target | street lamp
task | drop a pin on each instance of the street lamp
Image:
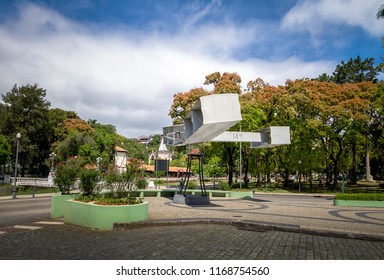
(52, 157)
(299, 174)
(98, 161)
(18, 137)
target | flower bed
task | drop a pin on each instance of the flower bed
(103, 217)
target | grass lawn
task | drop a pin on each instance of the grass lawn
(6, 190)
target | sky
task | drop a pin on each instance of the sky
(121, 61)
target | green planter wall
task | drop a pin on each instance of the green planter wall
(103, 216)
(361, 203)
(57, 205)
(241, 194)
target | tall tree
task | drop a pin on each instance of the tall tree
(380, 12)
(356, 71)
(332, 112)
(226, 83)
(5, 150)
(183, 102)
(25, 110)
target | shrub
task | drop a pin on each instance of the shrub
(88, 181)
(158, 182)
(121, 184)
(224, 186)
(141, 183)
(360, 196)
(66, 174)
(109, 200)
(192, 185)
(119, 201)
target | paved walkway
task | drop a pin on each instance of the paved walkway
(296, 213)
(265, 227)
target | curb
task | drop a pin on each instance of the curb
(252, 226)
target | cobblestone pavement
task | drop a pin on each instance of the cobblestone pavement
(264, 227)
(197, 242)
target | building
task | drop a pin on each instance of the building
(120, 158)
(143, 139)
(162, 152)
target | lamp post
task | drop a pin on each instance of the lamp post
(299, 174)
(52, 157)
(18, 137)
(98, 161)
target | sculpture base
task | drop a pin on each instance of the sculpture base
(192, 200)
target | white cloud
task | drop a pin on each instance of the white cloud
(123, 77)
(315, 16)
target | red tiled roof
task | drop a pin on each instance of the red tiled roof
(120, 149)
(151, 168)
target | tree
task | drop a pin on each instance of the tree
(357, 71)
(380, 12)
(77, 144)
(25, 110)
(354, 71)
(66, 174)
(331, 112)
(214, 168)
(57, 130)
(5, 150)
(226, 83)
(183, 102)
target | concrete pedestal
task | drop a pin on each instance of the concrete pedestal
(192, 200)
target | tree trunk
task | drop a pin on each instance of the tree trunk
(230, 151)
(368, 175)
(354, 165)
(245, 158)
(286, 177)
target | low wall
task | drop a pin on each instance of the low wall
(58, 205)
(210, 193)
(358, 203)
(103, 216)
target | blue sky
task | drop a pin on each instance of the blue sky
(120, 62)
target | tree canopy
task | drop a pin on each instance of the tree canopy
(332, 119)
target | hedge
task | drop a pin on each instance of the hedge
(360, 196)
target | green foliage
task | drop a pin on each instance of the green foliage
(178, 163)
(66, 174)
(360, 196)
(88, 181)
(122, 182)
(158, 182)
(193, 185)
(109, 200)
(5, 149)
(224, 186)
(78, 144)
(25, 110)
(141, 183)
(214, 167)
(119, 201)
(134, 148)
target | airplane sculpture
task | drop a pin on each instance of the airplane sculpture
(209, 120)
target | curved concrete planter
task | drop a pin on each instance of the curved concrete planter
(358, 203)
(57, 205)
(103, 216)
